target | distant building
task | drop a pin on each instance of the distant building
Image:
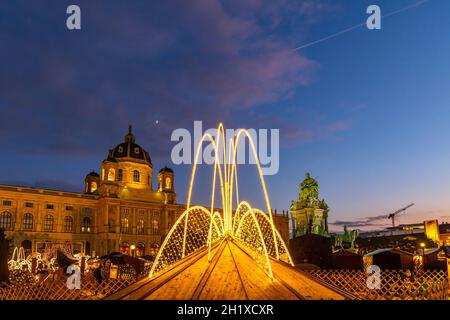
(444, 233)
(403, 229)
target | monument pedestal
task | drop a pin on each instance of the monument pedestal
(310, 220)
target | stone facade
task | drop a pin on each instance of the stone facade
(119, 209)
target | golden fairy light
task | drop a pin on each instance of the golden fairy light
(199, 227)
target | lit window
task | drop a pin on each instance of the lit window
(140, 227)
(6, 220)
(136, 176)
(111, 174)
(27, 221)
(68, 224)
(7, 203)
(93, 186)
(86, 225)
(155, 226)
(124, 226)
(155, 223)
(48, 222)
(136, 150)
(168, 183)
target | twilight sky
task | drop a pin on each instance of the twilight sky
(367, 112)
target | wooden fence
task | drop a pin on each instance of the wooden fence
(394, 284)
(25, 288)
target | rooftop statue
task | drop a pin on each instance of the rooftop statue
(308, 194)
(309, 212)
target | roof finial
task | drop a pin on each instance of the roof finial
(129, 137)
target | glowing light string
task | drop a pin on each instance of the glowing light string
(199, 228)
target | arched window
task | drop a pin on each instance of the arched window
(125, 248)
(27, 222)
(168, 183)
(136, 176)
(124, 226)
(154, 249)
(93, 186)
(140, 249)
(140, 227)
(68, 224)
(6, 220)
(111, 174)
(86, 225)
(120, 175)
(48, 222)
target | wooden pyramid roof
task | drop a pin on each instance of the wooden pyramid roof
(232, 274)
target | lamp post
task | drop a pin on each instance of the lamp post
(133, 248)
(422, 245)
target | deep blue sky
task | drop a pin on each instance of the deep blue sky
(367, 113)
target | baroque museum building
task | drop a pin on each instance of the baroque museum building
(119, 210)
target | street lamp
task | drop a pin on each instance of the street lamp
(133, 247)
(422, 245)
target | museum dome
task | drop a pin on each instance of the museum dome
(129, 149)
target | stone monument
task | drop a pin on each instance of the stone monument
(309, 214)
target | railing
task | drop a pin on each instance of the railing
(394, 284)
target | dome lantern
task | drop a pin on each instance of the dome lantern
(129, 137)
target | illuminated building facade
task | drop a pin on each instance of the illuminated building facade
(119, 208)
(118, 211)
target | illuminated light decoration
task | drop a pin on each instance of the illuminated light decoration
(199, 228)
(199, 221)
(18, 260)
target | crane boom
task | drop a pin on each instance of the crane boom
(393, 214)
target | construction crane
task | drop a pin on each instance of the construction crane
(393, 214)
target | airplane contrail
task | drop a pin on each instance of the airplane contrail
(416, 4)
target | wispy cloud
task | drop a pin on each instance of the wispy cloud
(373, 221)
(78, 90)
